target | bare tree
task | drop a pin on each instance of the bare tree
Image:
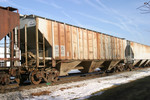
(145, 8)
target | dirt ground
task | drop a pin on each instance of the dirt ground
(135, 90)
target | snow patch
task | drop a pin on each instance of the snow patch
(78, 90)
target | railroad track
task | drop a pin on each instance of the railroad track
(65, 79)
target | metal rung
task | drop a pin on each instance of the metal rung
(46, 58)
(41, 66)
(4, 53)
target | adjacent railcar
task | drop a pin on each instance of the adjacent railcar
(10, 44)
(140, 54)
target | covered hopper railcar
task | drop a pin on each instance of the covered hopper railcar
(51, 49)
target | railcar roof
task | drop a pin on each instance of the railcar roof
(9, 8)
(32, 16)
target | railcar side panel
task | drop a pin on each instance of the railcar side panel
(102, 49)
(68, 42)
(85, 44)
(98, 45)
(140, 51)
(95, 45)
(106, 47)
(80, 43)
(110, 47)
(62, 41)
(112, 44)
(74, 42)
(56, 40)
(90, 44)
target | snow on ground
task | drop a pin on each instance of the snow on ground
(77, 90)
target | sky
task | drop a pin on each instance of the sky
(119, 18)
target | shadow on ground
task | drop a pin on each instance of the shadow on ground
(136, 90)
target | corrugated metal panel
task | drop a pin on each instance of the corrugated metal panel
(102, 48)
(95, 45)
(68, 42)
(61, 40)
(78, 48)
(56, 40)
(124, 47)
(113, 48)
(118, 41)
(90, 44)
(121, 49)
(106, 47)
(112, 43)
(80, 43)
(98, 45)
(117, 48)
(121, 44)
(140, 51)
(110, 48)
(85, 44)
(74, 39)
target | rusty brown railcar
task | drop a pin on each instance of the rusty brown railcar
(9, 32)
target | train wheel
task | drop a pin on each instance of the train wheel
(51, 75)
(48, 76)
(35, 77)
(4, 79)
